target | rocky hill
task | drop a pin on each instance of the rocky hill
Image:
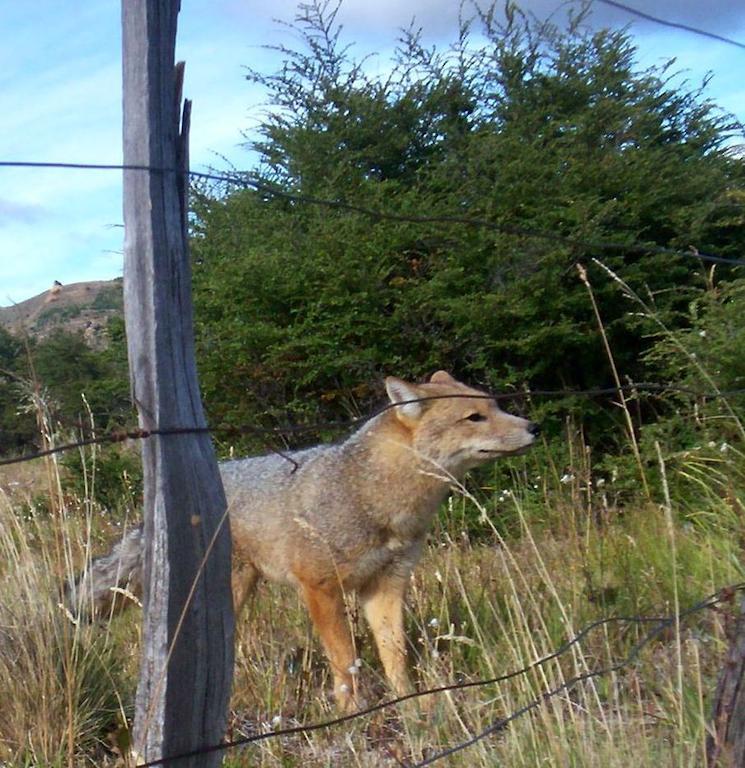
(84, 307)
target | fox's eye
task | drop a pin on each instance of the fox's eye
(476, 417)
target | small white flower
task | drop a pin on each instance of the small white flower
(507, 493)
(343, 688)
(358, 663)
(276, 721)
(435, 653)
(353, 670)
(434, 623)
(702, 334)
(711, 444)
(566, 478)
(600, 482)
(723, 448)
(438, 576)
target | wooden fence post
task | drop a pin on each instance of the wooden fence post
(187, 655)
(725, 746)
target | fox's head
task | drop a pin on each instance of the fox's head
(458, 427)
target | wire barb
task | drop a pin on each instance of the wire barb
(722, 595)
(118, 436)
(242, 179)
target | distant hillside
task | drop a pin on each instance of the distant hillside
(84, 307)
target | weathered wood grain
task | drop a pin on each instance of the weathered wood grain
(725, 745)
(187, 655)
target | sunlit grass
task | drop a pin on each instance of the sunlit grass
(513, 570)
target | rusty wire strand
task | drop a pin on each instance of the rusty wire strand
(242, 179)
(723, 595)
(137, 433)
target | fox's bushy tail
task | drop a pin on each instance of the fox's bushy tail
(109, 583)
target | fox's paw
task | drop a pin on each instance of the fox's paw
(348, 699)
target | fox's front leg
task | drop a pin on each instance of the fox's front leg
(383, 603)
(326, 606)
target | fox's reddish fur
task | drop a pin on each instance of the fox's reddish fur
(350, 516)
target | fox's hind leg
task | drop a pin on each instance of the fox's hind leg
(326, 606)
(383, 602)
(243, 580)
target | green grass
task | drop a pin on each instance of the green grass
(499, 607)
(53, 315)
(507, 578)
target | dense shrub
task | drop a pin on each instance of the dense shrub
(519, 125)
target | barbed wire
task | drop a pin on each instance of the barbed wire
(138, 433)
(725, 594)
(722, 595)
(672, 24)
(662, 622)
(240, 178)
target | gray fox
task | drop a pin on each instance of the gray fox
(346, 517)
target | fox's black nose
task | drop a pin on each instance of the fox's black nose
(534, 429)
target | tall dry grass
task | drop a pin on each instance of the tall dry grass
(479, 610)
(518, 563)
(63, 692)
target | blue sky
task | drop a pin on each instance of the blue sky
(61, 83)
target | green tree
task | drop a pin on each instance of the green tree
(17, 426)
(62, 368)
(538, 128)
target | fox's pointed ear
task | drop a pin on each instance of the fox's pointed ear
(442, 377)
(400, 391)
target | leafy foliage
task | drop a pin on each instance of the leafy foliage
(109, 477)
(17, 427)
(519, 125)
(67, 367)
(60, 370)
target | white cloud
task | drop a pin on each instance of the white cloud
(719, 16)
(14, 211)
(68, 245)
(61, 85)
(439, 17)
